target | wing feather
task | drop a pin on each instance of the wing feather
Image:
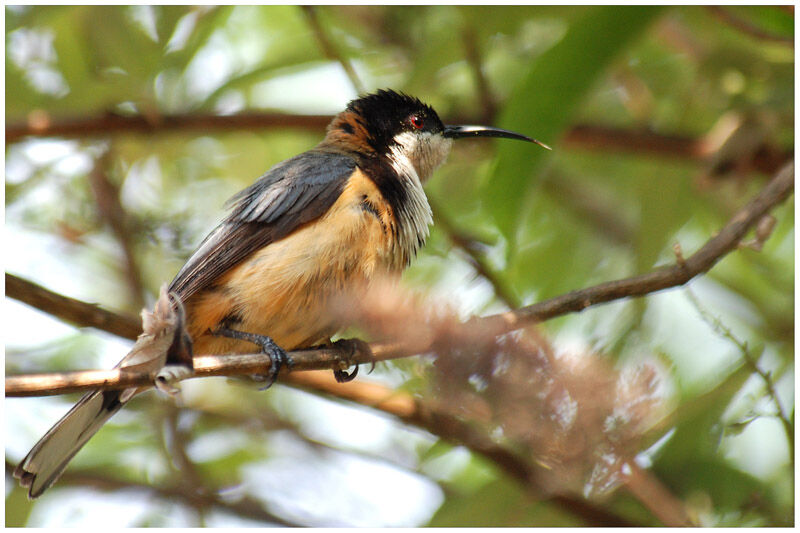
(290, 194)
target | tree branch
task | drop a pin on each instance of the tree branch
(110, 209)
(245, 507)
(582, 136)
(475, 256)
(330, 50)
(649, 490)
(701, 261)
(70, 310)
(469, 38)
(748, 27)
(642, 141)
(110, 124)
(751, 362)
(774, 193)
(414, 412)
(447, 427)
(54, 383)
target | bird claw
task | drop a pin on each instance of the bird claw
(278, 358)
(352, 347)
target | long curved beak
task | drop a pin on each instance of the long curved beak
(459, 132)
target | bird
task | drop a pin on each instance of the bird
(347, 211)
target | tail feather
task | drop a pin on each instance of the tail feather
(45, 463)
(163, 341)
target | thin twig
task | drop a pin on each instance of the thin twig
(175, 441)
(774, 193)
(649, 490)
(718, 326)
(701, 261)
(640, 141)
(603, 218)
(330, 50)
(54, 383)
(473, 56)
(473, 250)
(245, 507)
(110, 208)
(74, 311)
(449, 428)
(748, 27)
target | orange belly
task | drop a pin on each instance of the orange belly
(285, 289)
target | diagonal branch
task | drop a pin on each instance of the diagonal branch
(70, 310)
(330, 50)
(412, 411)
(447, 427)
(469, 39)
(112, 212)
(245, 507)
(475, 256)
(774, 193)
(745, 26)
(751, 362)
(678, 274)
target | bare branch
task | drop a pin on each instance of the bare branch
(110, 208)
(747, 27)
(411, 411)
(602, 217)
(204, 366)
(649, 490)
(111, 124)
(583, 136)
(488, 106)
(701, 261)
(472, 248)
(640, 141)
(74, 311)
(752, 363)
(245, 507)
(330, 50)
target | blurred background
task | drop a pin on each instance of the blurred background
(128, 127)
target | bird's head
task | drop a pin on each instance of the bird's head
(404, 130)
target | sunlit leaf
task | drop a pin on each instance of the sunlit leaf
(547, 97)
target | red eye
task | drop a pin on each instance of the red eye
(417, 121)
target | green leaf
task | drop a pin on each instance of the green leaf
(499, 504)
(770, 19)
(548, 96)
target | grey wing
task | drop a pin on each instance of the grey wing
(290, 194)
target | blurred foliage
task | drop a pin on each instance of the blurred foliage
(545, 223)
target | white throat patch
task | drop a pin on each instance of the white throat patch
(414, 158)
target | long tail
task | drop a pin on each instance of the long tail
(163, 342)
(45, 463)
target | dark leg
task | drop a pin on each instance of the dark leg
(277, 356)
(352, 347)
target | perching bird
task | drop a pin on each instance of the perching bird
(347, 211)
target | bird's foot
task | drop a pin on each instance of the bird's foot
(278, 358)
(351, 347)
(168, 376)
